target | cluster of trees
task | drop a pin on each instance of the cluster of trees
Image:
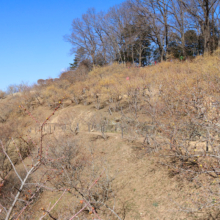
(139, 31)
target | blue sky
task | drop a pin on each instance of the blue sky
(31, 37)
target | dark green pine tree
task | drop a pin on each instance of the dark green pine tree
(74, 65)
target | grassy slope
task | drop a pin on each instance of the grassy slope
(142, 187)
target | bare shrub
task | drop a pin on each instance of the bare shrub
(77, 172)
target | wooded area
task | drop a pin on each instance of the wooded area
(145, 31)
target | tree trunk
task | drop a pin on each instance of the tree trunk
(183, 44)
(206, 29)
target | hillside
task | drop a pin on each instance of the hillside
(115, 143)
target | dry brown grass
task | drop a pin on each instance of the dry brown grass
(165, 111)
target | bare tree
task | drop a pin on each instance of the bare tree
(149, 15)
(83, 36)
(178, 21)
(201, 12)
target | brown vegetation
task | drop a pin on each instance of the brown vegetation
(87, 146)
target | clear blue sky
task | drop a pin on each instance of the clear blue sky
(31, 37)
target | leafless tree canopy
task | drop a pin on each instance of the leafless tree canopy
(142, 31)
